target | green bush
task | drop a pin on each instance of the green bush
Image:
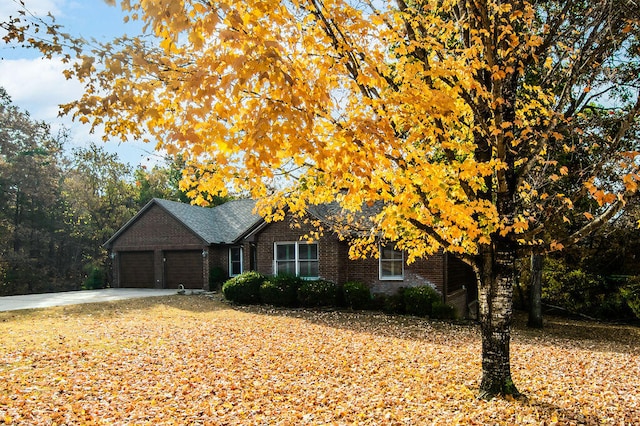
(442, 310)
(280, 290)
(394, 303)
(418, 301)
(318, 293)
(574, 290)
(631, 294)
(356, 295)
(243, 289)
(377, 302)
(94, 279)
(581, 292)
(217, 277)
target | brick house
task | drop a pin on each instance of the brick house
(168, 243)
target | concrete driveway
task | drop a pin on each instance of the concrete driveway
(45, 300)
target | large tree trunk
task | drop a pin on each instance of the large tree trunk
(496, 311)
(497, 263)
(535, 298)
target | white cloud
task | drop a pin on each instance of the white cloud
(36, 7)
(38, 85)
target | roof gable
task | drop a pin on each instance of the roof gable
(225, 223)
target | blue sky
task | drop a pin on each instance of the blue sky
(38, 86)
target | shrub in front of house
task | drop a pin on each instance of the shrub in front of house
(356, 295)
(217, 277)
(243, 289)
(312, 294)
(377, 302)
(281, 290)
(441, 310)
(94, 279)
(419, 301)
(392, 304)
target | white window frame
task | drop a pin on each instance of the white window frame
(297, 259)
(231, 274)
(383, 277)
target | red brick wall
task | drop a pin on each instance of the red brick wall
(336, 266)
(219, 258)
(156, 229)
(421, 272)
(329, 250)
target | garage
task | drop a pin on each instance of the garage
(136, 269)
(183, 267)
(168, 243)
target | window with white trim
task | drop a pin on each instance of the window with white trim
(391, 263)
(296, 258)
(235, 261)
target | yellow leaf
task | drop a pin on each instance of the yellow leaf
(520, 226)
(556, 246)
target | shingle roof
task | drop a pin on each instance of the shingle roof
(232, 220)
(226, 223)
(339, 219)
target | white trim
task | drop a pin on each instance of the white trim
(380, 260)
(296, 258)
(231, 274)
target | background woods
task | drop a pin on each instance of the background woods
(57, 205)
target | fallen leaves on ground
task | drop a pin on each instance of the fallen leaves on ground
(191, 360)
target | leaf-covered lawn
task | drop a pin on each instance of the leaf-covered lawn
(191, 360)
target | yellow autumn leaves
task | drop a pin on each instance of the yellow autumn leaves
(190, 360)
(260, 94)
(306, 102)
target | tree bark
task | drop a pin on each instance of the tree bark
(535, 295)
(496, 312)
